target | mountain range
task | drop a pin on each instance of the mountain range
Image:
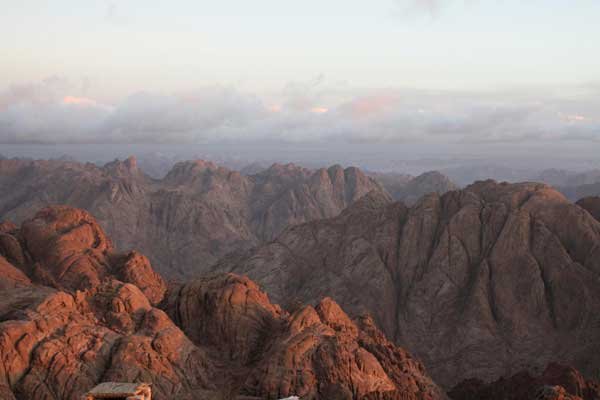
(294, 282)
(197, 213)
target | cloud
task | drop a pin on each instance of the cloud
(80, 101)
(54, 111)
(113, 14)
(46, 113)
(431, 8)
(111, 11)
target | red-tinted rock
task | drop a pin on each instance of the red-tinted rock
(316, 353)
(11, 276)
(58, 348)
(67, 249)
(227, 312)
(87, 315)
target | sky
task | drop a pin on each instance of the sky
(434, 71)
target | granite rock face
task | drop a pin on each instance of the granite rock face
(314, 353)
(65, 248)
(483, 282)
(74, 313)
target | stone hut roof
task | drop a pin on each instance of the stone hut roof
(116, 390)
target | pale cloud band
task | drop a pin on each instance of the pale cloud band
(53, 112)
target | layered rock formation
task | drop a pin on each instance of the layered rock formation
(74, 312)
(196, 214)
(485, 281)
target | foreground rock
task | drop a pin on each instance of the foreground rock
(314, 353)
(65, 248)
(557, 382)
(75, 313)
(481, 282)
(198, 211)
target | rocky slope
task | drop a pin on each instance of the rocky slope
(74, 312)
(557, 382)
(409, 189)
(196, 214)
(485, 281)
(312, 352)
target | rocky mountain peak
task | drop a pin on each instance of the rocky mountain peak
(123, 169)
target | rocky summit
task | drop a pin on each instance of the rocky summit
(75, 312)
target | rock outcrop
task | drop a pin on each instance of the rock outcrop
(557, 382)
(56, 345)
(74, 313)
(314, 353)
(65, 248)
(198, 211)
(485, 281)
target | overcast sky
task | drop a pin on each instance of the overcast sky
(355, 70)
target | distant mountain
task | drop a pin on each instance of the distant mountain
(155, 165)
(574, 185)
(466, 174)
(484, 281)
(196, 214)
(409, 189)
(253, 168)
(582, 191)
(565, 178)
(591, 204)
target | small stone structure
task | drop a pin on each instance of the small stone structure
(120, 391)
